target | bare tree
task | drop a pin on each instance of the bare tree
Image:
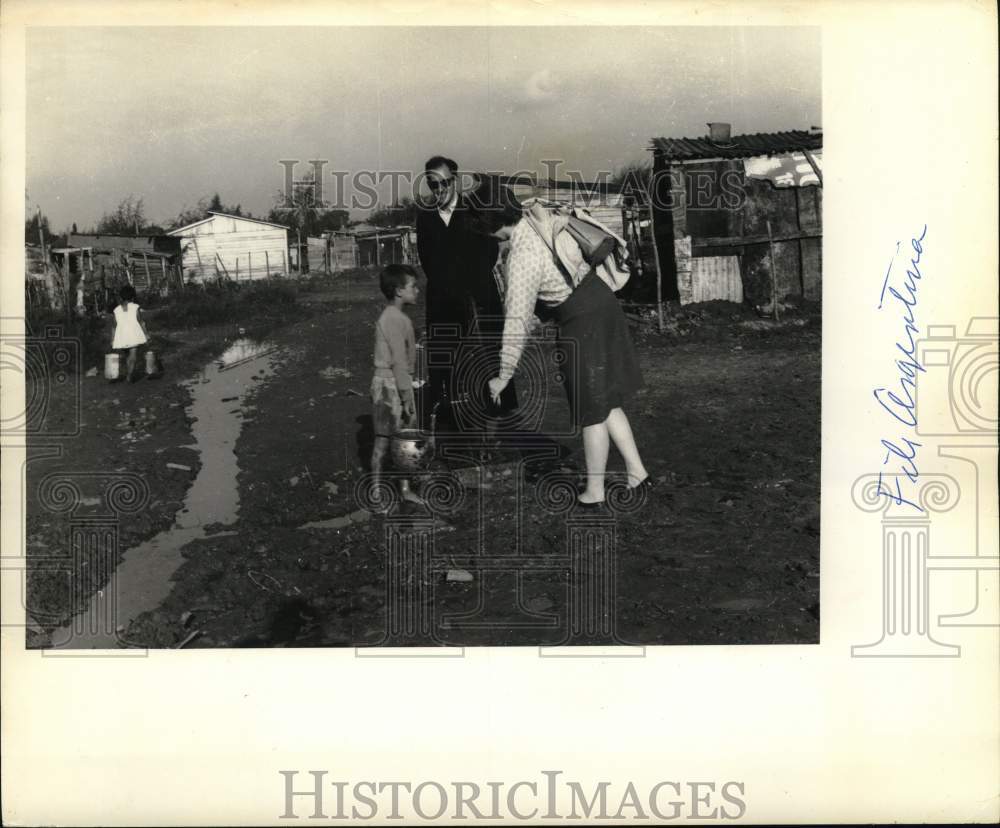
(128, 217)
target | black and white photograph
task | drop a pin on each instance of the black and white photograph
(426, 337)
(506, 411)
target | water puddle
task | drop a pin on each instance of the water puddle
(358, 516)
(142, 580)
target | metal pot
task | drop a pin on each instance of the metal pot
(411, 449)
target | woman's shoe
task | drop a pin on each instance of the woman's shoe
(644, 485)
(589, 507)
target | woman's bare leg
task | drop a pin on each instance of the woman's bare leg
(595, 453)
(621, 435)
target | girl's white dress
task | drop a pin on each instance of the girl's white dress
(128, 331)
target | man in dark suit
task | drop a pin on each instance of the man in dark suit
(463, 303)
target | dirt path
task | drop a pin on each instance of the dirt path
(725, 551)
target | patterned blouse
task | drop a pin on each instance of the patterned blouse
(532, 274)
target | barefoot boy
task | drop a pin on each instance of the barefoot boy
(395, 361)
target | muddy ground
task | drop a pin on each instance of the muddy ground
(724, 550)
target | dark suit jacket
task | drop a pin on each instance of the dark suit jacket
(461, 289)
(459, 268)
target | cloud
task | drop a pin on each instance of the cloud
(541, 86)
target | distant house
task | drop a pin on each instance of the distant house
(726, 206)
(232, 247)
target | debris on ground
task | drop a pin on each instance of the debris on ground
(191, 637)
(459, 575)
(332, 373)
(688, 564)
(178, 466)
(253, 576)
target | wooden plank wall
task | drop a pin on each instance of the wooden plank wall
(344, 255)
(702, 212)
(316, 252)
(241, 252)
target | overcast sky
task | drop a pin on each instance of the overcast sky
(175, 114)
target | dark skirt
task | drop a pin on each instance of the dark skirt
(598, 361)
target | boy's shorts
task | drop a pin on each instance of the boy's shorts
(387, 407)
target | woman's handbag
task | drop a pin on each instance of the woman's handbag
(596, 244)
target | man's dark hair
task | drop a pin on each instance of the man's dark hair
(492, 205)
(394, 277)
(440, 161)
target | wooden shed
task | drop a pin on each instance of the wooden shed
(343, 252)
(150, 262)
(233, 247)
(739, 217)
(382, 246)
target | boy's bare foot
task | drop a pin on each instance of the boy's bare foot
(412, 497)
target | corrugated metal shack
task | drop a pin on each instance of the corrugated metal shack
(387, 245)
(726, 207)
(233, 247)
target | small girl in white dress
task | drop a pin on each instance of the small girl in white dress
(130, 332)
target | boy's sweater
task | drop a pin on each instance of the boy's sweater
(395, 349)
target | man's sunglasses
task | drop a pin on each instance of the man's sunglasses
(436, 184)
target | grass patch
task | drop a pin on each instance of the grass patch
(214, 304)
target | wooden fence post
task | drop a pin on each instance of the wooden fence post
(774, 273)
(659, 278)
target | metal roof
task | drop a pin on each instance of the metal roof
(213, 213)
(738, 146)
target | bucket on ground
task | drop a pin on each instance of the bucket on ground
(151, 365)
(112, 366)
